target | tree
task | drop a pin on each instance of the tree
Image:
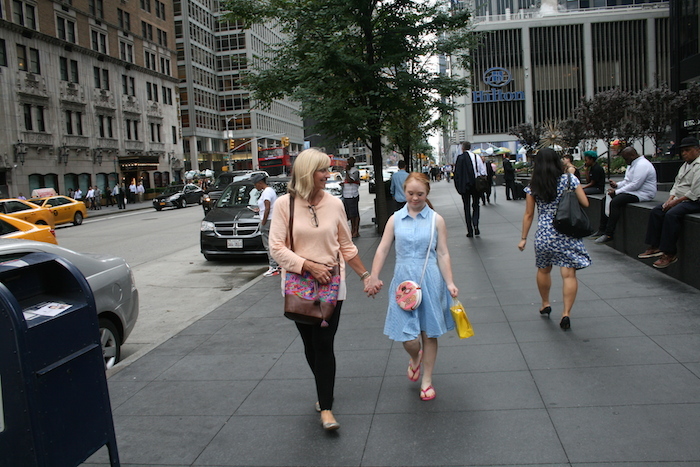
(528, 135)
(573, 132)
(354, 64)
(654, 110)
(603, 115)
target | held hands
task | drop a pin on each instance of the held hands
(372, 286)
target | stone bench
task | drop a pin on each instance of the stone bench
(631, 231)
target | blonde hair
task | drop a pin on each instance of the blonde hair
(306, 163)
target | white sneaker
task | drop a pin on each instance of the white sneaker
(272, 272)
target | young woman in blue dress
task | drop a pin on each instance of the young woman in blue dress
(419, 329)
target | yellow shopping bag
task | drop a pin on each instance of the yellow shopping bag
(462, 324)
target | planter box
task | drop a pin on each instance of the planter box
(666, 171)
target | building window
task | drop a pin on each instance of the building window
(146, 30)
(65, 29)
(96, 8)
(167, 95)
(101, 125)
(74, 75)
(40, 124)
(99, 41)
(24, 14)
(162, 38)
(150, 61)
(63, 65)
(69, 122)
(126, 51)
(124, 19)
(109, 127)
(68, 69)
(146, 5)
(101, 77)
(74, 123)
(160, 9)
(165, 66)
(173, 130)
(3, 53)
(34, 63)
(28, 126)
(22, 57)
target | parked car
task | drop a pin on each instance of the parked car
(112, 284)
(64, 209)
(386, 175)
(335, 188)
(213, 193)
(27, 211)
(231, 229)
(11, 227)
(178, 196)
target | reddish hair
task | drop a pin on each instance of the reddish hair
(420, 178)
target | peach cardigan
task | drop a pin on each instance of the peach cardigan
(321, 244)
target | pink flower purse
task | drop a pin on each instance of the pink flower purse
(408, 293)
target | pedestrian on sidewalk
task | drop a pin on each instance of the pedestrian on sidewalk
(322, 240)
(419, 329)
(552, 247)
(266, 201)
(351, 196)
(467, 167)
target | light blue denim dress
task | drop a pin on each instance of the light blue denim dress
(411, 237)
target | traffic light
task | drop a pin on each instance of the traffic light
(285, 141)
(231, 144)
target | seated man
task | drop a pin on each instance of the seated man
(596, 174)
(639, 184)
(665, 220)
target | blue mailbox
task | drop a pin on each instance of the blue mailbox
(54, 404)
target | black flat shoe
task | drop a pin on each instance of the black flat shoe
(476, 231)
(565, 323)
(546, 311)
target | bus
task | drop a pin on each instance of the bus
(275, 161)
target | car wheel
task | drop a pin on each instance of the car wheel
(182, 203)
(41, 223)
(110, 341)
(209, 257)
(78, 218)
(158, 208)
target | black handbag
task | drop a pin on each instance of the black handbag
(481, 184)
(570, 218)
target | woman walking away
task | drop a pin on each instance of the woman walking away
(551, 247)
(321, 241)
(419, 329)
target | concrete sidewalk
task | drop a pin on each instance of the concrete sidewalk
(621, 388)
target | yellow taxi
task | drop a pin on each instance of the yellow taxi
(27, 211)
(64, 209)
(11, 227)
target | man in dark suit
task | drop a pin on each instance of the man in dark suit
(467, 168)
(509, 177)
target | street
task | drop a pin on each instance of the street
(176, 284)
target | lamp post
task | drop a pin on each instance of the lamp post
(20, 151)
(171, 162)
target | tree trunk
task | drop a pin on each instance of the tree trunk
(381, 212)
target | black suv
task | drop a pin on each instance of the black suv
(224, 179)
(231, 228)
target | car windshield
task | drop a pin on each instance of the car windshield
(223, 180)
(236, 196)
(172, 189)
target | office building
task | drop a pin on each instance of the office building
(87, 95)
(536, 63)
(218, 115)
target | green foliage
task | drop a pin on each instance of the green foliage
(360, 67)
(527, 134)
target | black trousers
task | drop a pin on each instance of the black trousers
(318, 348)
(607, 224)
(510, 189)
(665, 226)
(471, 214)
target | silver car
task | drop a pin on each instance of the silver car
(112, 284)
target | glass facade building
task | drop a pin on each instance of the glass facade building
(535, 64)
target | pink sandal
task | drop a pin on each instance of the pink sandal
(415, 371)
(424, 393)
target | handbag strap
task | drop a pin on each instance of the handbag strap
(430, 245)
(291, 222)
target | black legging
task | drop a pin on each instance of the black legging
(318, 347)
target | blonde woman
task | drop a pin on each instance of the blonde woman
(321, 240)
